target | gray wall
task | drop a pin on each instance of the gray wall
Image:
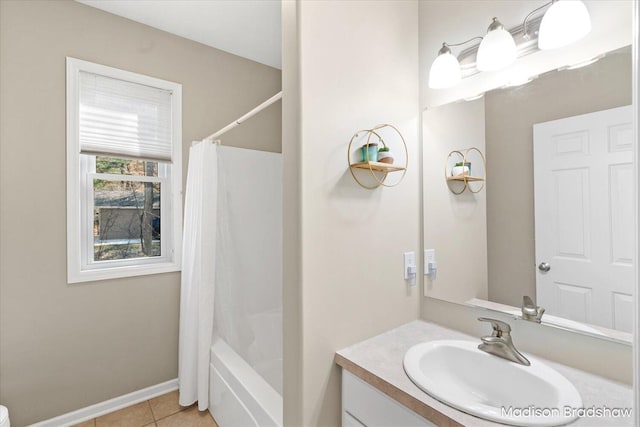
(510, 115)
(63, 347)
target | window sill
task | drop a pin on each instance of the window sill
(121, 272)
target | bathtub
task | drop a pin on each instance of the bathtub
(238, 395)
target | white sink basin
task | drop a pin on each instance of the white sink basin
(481, 384)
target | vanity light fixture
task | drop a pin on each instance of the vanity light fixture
(497, 49)
(566, 22)
(563, 23)
(445, 70)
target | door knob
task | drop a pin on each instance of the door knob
(544, 267)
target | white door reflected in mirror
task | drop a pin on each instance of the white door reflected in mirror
(584, 220)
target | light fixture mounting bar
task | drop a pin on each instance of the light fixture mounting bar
(525, 23)
(525, 45)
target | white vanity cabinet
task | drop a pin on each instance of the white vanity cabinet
(364, 405)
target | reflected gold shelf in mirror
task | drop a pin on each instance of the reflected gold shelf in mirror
(464, 178)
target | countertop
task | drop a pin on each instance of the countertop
(378, 361)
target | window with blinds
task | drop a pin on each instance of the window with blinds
(123, 173)
(121, 118)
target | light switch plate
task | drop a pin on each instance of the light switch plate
(429, 257)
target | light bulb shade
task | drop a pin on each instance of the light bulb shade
(497, 50)
(566, 22)
(445, 71)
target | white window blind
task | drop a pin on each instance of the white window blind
(120, 118)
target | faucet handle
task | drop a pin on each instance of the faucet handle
(499, 327)
(528, 306)
(530, 311)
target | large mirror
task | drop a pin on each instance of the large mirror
(555, 220)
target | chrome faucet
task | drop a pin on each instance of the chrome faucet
(530, 311)
(499, 343)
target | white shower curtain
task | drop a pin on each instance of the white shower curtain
(198, 274)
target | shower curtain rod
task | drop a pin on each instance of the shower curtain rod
(250, 114)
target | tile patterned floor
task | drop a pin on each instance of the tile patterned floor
(161, 411)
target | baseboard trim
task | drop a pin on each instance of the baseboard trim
(111, 405)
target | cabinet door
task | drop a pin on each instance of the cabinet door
(364, 405)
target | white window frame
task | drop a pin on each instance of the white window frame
(80, 175)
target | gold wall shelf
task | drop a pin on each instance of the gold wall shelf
(379, 170)
(378, 166)
(465, 178)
